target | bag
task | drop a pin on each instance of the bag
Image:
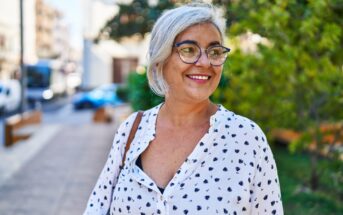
(132, 133)
(130, 138)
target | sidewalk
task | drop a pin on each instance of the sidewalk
(60, 176)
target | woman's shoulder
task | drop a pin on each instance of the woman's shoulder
(147, 114)
(152, 112)
(229, 119)
(243, 131)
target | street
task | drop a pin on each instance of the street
(60, 106)
(56, 113)
(59, 177)
(55, 170)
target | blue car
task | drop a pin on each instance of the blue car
(99, 97)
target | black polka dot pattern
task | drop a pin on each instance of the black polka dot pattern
(230, 171)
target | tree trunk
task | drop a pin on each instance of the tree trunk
(314, 180)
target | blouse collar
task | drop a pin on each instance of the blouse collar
(152, 118)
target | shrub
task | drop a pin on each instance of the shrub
(140, 94)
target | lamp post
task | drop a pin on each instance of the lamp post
(22, 66)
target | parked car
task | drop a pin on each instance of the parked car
(99, 97)
(9, 96)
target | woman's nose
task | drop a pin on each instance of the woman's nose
(203, 60)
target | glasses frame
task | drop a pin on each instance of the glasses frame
(176, 45)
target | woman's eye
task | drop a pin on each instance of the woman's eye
(188, 50)
(215, 52)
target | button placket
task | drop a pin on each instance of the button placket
(162, 205)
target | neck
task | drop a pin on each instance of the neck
(179, 114)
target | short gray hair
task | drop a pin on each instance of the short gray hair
(170, 24)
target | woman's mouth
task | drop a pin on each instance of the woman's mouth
(199, 78)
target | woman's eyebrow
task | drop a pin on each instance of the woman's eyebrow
(213, 43)
(186, 41)
(195, 42)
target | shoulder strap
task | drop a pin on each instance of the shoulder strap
(132, 133)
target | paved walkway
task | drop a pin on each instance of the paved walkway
(61, 175)
(14, 157)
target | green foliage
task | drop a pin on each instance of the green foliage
(294, 174)
(123, 93)
(296, 79)
(136, 18)
(140, 94)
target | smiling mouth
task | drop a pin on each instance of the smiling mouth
(199, 77)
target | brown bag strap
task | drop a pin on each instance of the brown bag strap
(132, 133)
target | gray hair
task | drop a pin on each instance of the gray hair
(166, 29)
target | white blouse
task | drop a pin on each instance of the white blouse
(230, 171)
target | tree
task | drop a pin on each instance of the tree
(140, 95)
(296, 79)
(136, 18)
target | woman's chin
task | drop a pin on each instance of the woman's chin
(198, 96)
(189, 95)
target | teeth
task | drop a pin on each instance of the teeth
(199, 77)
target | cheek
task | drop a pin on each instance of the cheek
(173, 70)
(218, 72)
(218, 75)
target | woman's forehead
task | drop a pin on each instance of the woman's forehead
(201, 31)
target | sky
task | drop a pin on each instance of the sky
(72, 10)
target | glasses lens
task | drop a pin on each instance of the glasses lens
(189, 53)
(217, 55)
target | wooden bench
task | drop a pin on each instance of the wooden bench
(21, 126)
(103, 114)
(331, 138)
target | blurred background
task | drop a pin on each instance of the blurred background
(72, 70)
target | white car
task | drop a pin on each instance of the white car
(9, 95)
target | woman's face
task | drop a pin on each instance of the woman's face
(193, 82)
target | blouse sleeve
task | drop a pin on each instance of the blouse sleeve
(266, 198)
(100, 198)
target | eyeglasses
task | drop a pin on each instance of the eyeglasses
(190, 52)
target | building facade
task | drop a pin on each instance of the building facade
(10, 36)
(107, 61)
(46, 18)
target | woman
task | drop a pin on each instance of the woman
(189, 156)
